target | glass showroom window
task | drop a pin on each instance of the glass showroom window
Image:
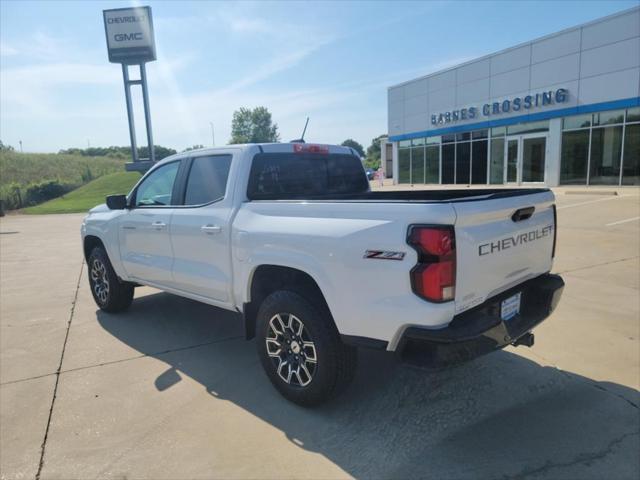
(496, 168)
(463, 162)
(479, 151)
(633, 115)
(631, 162)
(606, 150)
(528, 127)
(577, 121)
(432, 157)
(417, 161)
(575, 157)
(601, 148)
(448, 159)
(404, 162)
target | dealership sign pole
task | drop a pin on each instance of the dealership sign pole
(130, 41)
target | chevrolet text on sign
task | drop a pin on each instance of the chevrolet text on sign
(130, 36)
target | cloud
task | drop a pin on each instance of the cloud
(39, 90)
(43, 92)
(39, 46)
(249, 25)
(276, 64)
(7, 50)
(59, 73)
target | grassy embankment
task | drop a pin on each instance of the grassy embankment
(28, 179)
(89, 195)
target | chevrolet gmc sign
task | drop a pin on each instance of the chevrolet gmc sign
(129, 33)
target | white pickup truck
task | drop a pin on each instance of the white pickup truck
(290, 236)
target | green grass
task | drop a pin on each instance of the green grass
(23, 175)
(89, 195)
(24, 168)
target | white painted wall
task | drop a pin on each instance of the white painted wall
(597, 62)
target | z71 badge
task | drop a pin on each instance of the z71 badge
(383, 255)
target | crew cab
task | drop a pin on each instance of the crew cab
(291, 237)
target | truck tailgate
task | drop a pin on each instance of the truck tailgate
(500, 243)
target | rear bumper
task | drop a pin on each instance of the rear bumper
(481, 330)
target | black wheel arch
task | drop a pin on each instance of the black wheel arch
(91, 242)
(267, 279)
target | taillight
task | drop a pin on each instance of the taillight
(434, 277)
(310, 148)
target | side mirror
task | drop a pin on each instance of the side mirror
(117, 202)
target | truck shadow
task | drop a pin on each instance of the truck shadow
(499, 416)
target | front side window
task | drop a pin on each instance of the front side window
(157, 188)
(207, 180)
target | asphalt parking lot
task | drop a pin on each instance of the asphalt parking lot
(170, 389)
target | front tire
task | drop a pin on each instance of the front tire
(300, 349)
(109, 293)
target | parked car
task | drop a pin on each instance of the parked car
(291, 237)
(371, 174)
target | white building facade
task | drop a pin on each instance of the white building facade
(560, 110)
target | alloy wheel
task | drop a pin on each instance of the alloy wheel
(100, 280)
(291, 349)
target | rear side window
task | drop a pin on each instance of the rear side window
(207, 180)
(299, 175)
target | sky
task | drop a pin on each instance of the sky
(331, 61)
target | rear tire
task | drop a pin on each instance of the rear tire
(300, 349)
(109, 292)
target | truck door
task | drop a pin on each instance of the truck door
(200, 232)
(145, 245)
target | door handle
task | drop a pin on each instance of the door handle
(158, 225)
(211, 229)
(523, 214)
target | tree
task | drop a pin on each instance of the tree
(253, 126)
(195, 147)
(160, 152)
(350, 142)
(374, 152)
(5, 148)
(119, 152)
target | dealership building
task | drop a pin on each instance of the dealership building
(559, 110)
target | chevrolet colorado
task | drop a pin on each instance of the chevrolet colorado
(290, 236)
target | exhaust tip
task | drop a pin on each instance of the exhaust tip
(526, 340)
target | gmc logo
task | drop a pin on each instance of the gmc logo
(123, 37)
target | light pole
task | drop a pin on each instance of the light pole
(213, 138)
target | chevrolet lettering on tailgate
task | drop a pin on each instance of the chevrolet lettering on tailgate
(508, 242)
